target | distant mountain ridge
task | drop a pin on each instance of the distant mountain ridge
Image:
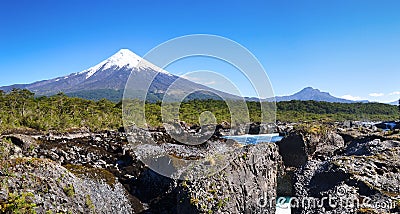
(307, 94)
(310, 93)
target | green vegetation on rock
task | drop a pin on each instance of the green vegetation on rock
(69, 190)
(18, 203)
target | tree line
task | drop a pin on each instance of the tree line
(21, 109)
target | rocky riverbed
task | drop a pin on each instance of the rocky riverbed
(85, 172)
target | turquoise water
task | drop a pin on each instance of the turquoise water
(390, 126)
(283, 206)
(254, 139)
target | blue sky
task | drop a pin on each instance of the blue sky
(348, 48)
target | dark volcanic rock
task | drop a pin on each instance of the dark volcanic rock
(253, 128)
(357, 171)
(151, 186)
(368, 175)
(325, 145)
(297, 148)
(92, 155)
(285, 182)
(25, 142)
(42, 185)
(104, 166)
(246, 182)
(293, 150)
(370, 146)
(246, 185)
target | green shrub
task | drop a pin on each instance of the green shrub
(18, 203)
(69, 190)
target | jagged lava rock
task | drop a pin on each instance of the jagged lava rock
(246, 185)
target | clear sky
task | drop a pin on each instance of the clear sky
(348, 48)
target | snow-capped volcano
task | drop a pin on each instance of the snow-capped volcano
(110, 77)
(124, 58)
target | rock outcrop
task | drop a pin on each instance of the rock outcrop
(354, 172)
(325, 169)
(293, 150)
(253, 128)
(246, 185)
(41, 185)
(87, 172)
(369, 180)
(298, 147)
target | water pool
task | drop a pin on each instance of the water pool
(254, 139)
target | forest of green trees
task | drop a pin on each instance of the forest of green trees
(21, 109)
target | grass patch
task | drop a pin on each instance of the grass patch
(92, 173)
